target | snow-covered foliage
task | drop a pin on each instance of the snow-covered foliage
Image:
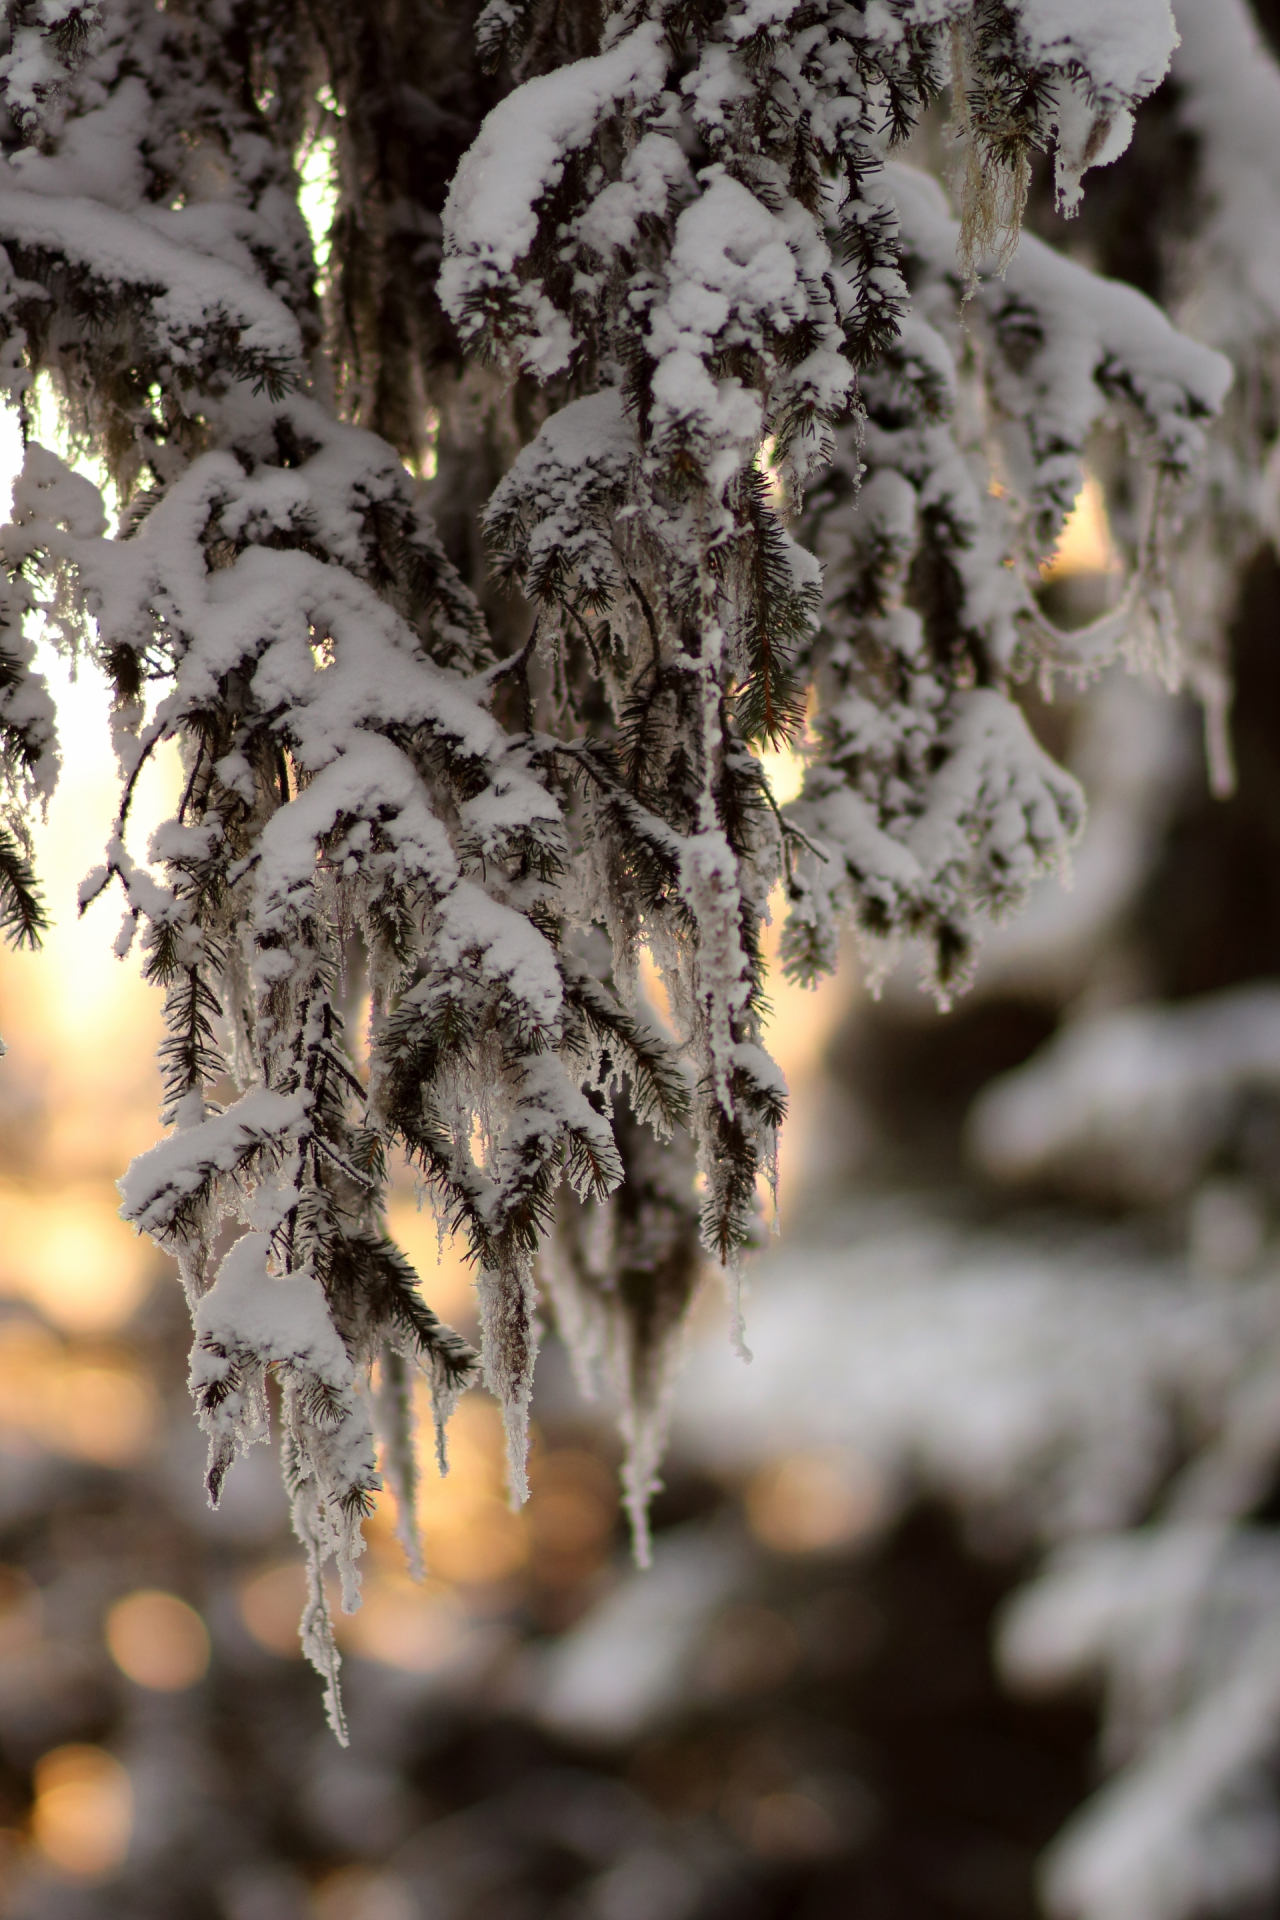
(1226, 99)
(1180, 1622)
(1140, 1103)
(930, 801)
(1045, 1379)
(679, 241)
(1062, 1387)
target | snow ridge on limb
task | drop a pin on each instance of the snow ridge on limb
(701, 308)
(316, 805)
(928, 804)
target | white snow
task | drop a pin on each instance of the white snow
(1135, 1103)
(160, 1180)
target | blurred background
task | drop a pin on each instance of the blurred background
(965, 1594)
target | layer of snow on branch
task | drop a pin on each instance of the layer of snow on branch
(491, 218)
(1085, 345)
(1181, 1621)
(1054, 1377)
(1106, 57)
(1123, 50)
(1137, 1101)
(189, 294)
(159, 1180)
(281, 1320)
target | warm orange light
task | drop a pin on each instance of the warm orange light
(808, 1502)
(570, 1520)
(158, 1641)
(82, 1029)
(572, 1515)
(66, 1251)
(791, 1826)
(30, 1357)
(83, 1811)
(1085, 544)
(107, 1414)
(474, 1538)
(441, 1265)
(92, 1407)
(797, 1028)
(362, 1893)
(468, 1529)
(271, 1606)
(784, 770)
(419, 1628)
(21, 1614)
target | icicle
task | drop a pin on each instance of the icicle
(508, 1303)
(400, 1465)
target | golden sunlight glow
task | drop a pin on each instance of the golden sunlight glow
(1085, 544)
(469, 1531)
(362, 1893)
(73, 1258)
(471, 1539)
(82, 1029)
(89, 1405)
(83, 1811)
(440, 1263)
(473, 1543)
(21, 1615)
(797, 1028)
(768, 467)
(573, 1512)
(158, 1641)
(79, 1093)
(418, 1627)
(791, 1826)
(80, 1088)
(784, 770)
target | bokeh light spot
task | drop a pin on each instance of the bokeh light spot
(271, 1606)
(475, 1539)
(361, 1893)
(811, 1502)
(574, 1506)
(21, 1614)
(83, 1811)
(750, 1650)
(791, 1826)
(92, 1406)
(401, 1624)
(70, 1254)
(158, 1641)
